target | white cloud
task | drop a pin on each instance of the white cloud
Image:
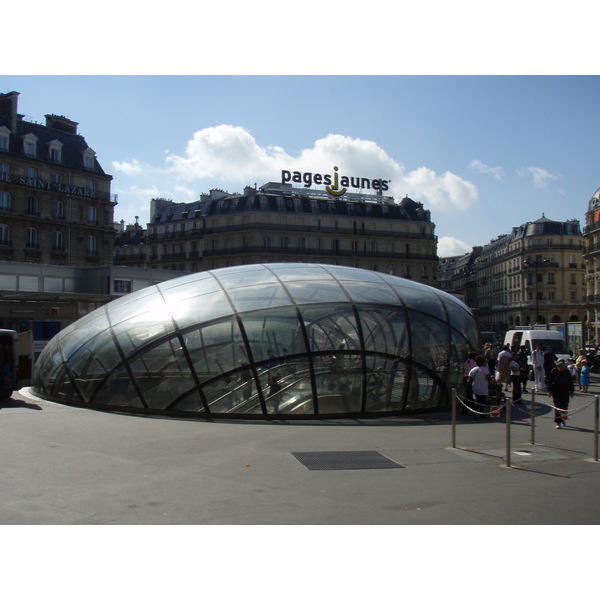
(540, 177)
(133, 167)
(449, 246)
(496, 172)
(231, 153)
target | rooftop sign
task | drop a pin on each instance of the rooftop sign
(335, 184)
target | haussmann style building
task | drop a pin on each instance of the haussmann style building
(278, 222)
(534, 275)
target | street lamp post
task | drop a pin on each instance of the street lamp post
(535, 263)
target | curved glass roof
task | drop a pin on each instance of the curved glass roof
(260, 340)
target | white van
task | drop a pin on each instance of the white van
(530, 338)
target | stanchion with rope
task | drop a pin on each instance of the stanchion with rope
(508, 420)
(533, 417)
(596, 428)
(453, 392)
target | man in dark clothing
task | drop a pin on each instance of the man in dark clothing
(560, 389)
(522, 360)
(549, 362)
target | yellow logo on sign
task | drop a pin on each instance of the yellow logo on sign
(334, 190)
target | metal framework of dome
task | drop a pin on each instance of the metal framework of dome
(271, 340)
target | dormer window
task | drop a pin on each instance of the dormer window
(4, 138)
(55, 150)
(89, 158)
(30, 145)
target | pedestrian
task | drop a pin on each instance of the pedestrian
(516, 371)
(573, 370)
(584, 376)
(467, 366)
(480, 378)
(537, 361)
(490, 354)
(549, 362)
(522, 360)
(580, 358)
(503, 374)
(560, 390)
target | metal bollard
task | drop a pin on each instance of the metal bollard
(596, 428)
(508, 420)
(532, 417)
(453, 392)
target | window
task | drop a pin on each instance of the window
(91, 186)
(92, 245)
(32, 238)
(92, 215)
(29, 144)
(4, 138)
(59, 241)
(4, 171)
(32, 173)
(4, 235)
(56, 178)
(5, 202)
(59, 209)
(89, 157)
(33, 207)
(573, 279)
(122, 286)
(55, 151)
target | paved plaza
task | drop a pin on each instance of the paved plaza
(66, 465)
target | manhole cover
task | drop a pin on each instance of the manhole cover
(340, 461)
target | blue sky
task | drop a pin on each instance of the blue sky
(484, 153)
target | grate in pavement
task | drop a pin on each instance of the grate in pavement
(345, 460)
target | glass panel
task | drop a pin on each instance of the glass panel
(201, 287)
(138, 297)
(384, 330)
(331, 328)
(461, 319)
(235, 279)
(322, 291)
(216, 349)
(458, 353)
(348, 273)
(423, 391)
(259, 296)
(359, 292)
(430, 339)
(421, 299)
(118, 385)
(162, 374)
(145, 328)
(195, 282)
(191, 402)
(232, 393)
(383, 376)
(300, 273)
(273, 336)
(339, 389)
(192, 312)
(289, 388)
(76, 335)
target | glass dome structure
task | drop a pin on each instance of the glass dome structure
(290, 339)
